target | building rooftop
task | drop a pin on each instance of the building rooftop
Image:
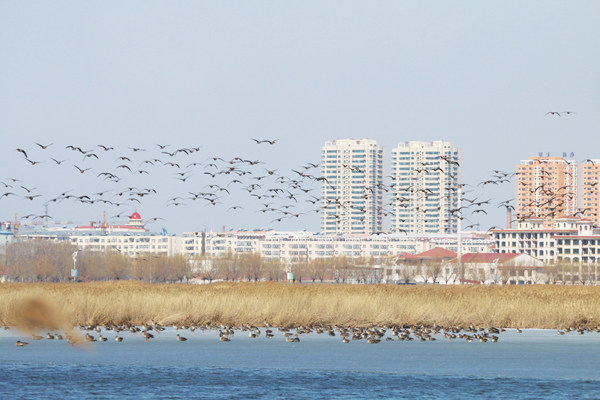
(437, 252)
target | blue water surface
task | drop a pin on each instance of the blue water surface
(533, 365)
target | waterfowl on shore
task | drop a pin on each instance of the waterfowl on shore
(147, 335)
(181, 338)
(345, 340)
(224, 339)
(292, 339)
(71, 340)
(519, 331)
(561, 333)
(269, 335)
(21, 344)
(89, 338)
(58, 337)
(102, 339)
(49, 336)
(36, 337)
(118, 338)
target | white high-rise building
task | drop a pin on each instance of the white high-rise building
(352, 194)
(425, 187)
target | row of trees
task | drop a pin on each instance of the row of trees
(253, 267)
(45, 261)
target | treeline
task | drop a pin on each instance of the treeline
(45, 261)
(253, 267)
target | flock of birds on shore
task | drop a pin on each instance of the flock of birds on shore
(371, 334)
(208, 179)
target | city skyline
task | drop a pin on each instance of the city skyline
(390, 180)
(209, 77)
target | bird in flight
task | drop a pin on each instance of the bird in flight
(35, 162)
(22, 151)
(265, 141)
(81, 170)
(57, 162)
(44, 147)
(553, 113)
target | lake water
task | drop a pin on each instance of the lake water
(532, 365)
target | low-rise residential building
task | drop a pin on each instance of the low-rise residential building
(131, 245)
(293, 246)
(571, 239)
(436, 267)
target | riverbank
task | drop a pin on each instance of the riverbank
(121, 302)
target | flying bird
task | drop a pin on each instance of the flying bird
(35, 162)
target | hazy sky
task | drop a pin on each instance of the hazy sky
(481, 75)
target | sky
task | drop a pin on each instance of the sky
(481, 75)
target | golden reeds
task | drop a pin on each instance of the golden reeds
(535, 306)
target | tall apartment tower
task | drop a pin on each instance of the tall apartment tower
(425, 185)
(590, 191)
(547, 188)
(353, 195)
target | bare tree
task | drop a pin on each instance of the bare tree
(407, 272)
(179, 268)
(503, 273)
(434, 270)
(273, 269)
(252, 266)
(342, 269)
(206, 268)
(116, 265)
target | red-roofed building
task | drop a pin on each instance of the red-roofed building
(134, 225)
(498, 268)
(437, 252)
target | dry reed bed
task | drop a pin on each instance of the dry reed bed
(540, 306)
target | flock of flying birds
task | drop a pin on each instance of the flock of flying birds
(219, 178)
(277, 194)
